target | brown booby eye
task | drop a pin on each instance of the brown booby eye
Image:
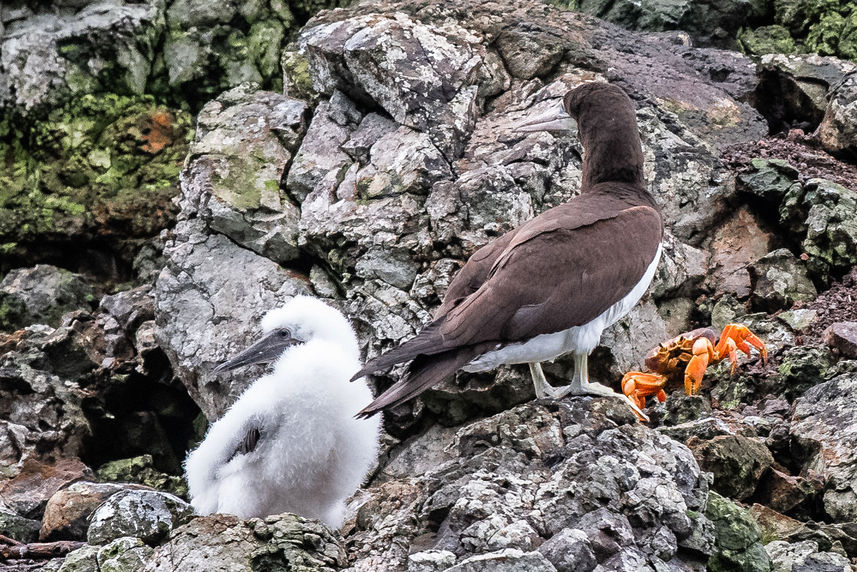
(284, 333)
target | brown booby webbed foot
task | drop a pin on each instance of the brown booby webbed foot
(579, 385)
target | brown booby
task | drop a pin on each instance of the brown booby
(552, 285)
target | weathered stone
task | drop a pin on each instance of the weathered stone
(141, 470)
(735, 245)
(244, 141)
(738, 463)
(803, 367)
(245, 546)
(799, 319)
(569, 551)
(68, 510)
(84, 559)
(507, 560)
(804, 557)
(126, 554)
(842, 338)
(779, 280)
(107, 46)
(19, 528)
(470, 478)
(147, 515)
(430, 561)
(320, 153)
(825, 427)
(41, 294)
(28, 493)
(738, 545)
(429, 83)
(801, 83)
(714, 23)
(205, 312)
(788, 494)
(130, 307)
(772, 39)
(831, 236)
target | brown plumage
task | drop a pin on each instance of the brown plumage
(562, 269)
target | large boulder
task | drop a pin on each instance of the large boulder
(284, 542)
(579, 474)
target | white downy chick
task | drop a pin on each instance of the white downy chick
(291, 442)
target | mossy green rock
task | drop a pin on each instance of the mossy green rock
(101, 165)
(141, 470)
(772, 39)
(738, 545)
(831, 237)
(803, 367)
(823, 36)
(41, 294)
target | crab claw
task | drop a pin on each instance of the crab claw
(739, 337)
(703, 353)
(637, 386)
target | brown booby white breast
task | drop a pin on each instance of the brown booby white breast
(552, 285)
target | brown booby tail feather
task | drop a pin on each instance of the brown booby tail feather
(424, 372)
(424, 343)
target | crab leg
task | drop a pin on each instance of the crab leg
(638, 385)
(738, 336)
(703, 353)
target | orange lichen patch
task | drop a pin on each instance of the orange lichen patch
(157, 131)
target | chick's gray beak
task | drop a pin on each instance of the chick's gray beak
(555, 119)
(266, 350)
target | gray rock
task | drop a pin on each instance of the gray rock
(804, 557)
(84, 559)
(842, 338)
(434, 89)
(147, 515)
(569, 551)
(126, 554)
(803, 83)
(68, 511)
(779, 280)
(130, 308)
(41, 294)
(831, 222)
(19, 528)
(714, 23)
(738, 537)
(737, 462)
(837, 131)
(244, 140)
(46, 59)
(320, 153)
(507, 560)
(826, 417)
(430, 561)
(245, 546)
(206, 312)
(536, 471)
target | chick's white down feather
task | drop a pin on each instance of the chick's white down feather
(312, 454)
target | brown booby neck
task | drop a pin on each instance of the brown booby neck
(607, 127)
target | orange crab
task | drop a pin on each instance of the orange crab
(689, 353)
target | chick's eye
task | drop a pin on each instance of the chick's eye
(284, 333)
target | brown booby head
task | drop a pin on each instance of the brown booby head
(553, 284)
(601, 113)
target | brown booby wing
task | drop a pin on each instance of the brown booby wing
(559, 270)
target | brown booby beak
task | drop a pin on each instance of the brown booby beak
(266, 350)
(556, 119)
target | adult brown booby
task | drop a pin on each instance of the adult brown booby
(552, 285)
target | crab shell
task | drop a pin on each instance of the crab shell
(671, 357)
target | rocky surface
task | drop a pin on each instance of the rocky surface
(390, 158)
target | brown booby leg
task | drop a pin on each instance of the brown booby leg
(579, 385)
